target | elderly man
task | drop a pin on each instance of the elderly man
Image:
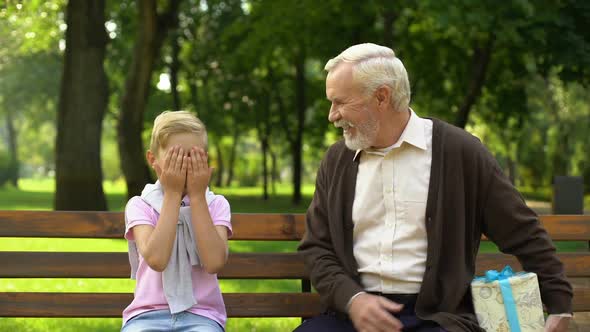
(399, 209)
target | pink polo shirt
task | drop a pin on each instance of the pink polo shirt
(149, 291)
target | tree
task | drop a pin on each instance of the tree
(30, 71)
(292, 43)
(152, 31)
(82, 103)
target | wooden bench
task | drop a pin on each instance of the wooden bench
(264, 227)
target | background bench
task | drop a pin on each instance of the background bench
(265, 227)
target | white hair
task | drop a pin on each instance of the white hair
(375, 66)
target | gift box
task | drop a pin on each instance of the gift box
(508, 302)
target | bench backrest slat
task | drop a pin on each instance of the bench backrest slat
(246, 226)
(110, 225)
(116, 265)
(239, 266)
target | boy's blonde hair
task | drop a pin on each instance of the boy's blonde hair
(179, 122)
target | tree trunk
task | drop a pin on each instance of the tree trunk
(560, 158)
(232, 156)
(174, 67)
(151, 34)
(301, 105)
(273, 171)
(12, 149)
(480, 61)
(264, 146)
(295, 139)
(263, 127)
(82, 104)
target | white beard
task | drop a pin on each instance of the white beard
(365, 136)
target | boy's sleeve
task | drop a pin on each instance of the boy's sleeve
(138, 212)
(221, 213)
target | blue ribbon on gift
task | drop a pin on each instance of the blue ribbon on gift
(506, 289)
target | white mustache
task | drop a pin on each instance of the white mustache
(343, 124)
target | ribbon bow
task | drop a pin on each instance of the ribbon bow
(493, 275)
(509, 303)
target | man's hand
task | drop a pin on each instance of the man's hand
(557, 323)
(198, 174)
(172, 174)
(373, 313)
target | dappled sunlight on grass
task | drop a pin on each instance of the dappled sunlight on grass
(282, 190)
(562, 246)
(61, 324)
(263, 246)
(262, 324)
(114, 324)
(47, 185)
(81, 285)
(70, 245)
(259, 286)
(38, 194)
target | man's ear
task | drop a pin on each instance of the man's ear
(383, 95)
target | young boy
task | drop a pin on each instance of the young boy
(177, 233)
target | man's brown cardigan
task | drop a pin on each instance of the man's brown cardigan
(468, 195)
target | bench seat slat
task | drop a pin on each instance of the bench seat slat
(246, 226)
(19, 264)
(26, 304)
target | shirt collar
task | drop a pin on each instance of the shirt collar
(413, 134)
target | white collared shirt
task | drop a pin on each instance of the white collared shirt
(389, 237)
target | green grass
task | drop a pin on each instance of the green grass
(536, 194)
(37, 194)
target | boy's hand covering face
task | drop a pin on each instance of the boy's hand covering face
(198, 172)
(172, 174)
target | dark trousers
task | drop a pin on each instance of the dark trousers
(331, 321)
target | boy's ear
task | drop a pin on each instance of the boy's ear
(150, 158)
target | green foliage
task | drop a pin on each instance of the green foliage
(30, 71)
(237, 72)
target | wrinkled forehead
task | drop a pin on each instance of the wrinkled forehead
(340, 82)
